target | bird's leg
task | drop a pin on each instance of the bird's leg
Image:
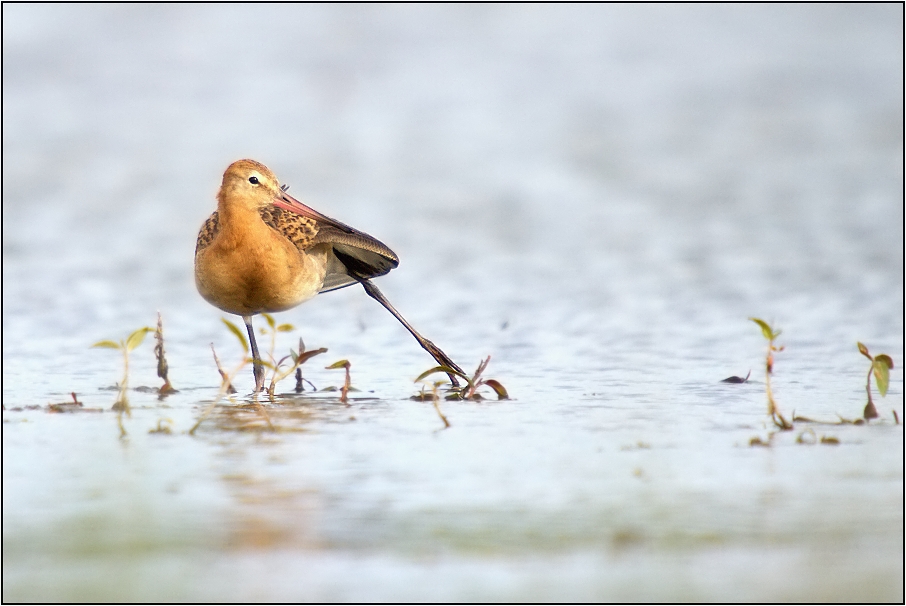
(442, 358)
(258, 368)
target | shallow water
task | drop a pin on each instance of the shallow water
(596, 196)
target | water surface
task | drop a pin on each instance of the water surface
(596, 196)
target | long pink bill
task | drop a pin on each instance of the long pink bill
(287, 202)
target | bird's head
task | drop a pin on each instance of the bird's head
(249, 184)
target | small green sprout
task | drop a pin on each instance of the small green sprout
(225, 379)
(127, 345)
(273, 329)
(344, 392)
(470, 390)
(277, 373)
(238, 334)
(298, 359)
(771, 335)
(880, 368)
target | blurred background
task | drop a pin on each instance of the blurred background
(598, 196)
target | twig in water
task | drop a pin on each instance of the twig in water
(162, 366)
(225, 380)
(299, 379)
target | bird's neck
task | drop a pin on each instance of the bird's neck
(238, 221)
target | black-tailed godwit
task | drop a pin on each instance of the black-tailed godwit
(263, 251)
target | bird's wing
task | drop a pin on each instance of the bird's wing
(354, 254)
(207, 232)
(358, 256)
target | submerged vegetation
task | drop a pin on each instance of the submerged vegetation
(880, 369)
(298, 359)
(469, 391)
(454, 391)
(476, 387)
(279, 369)
(275, 366)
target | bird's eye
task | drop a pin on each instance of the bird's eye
(253, 180)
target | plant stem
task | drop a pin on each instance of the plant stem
(344, 395)
(122, 400)
(772, 405)
(868, 386)
(225, 380)
(869, 412)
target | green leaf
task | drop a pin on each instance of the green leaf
(339, 364)
(286, 328)
(444, 369)
(765, 329)
(499, 388)
(864, 351)
(235, 330)
(308, 355)
(884, 359)
(881, 369)
(270, 320)
(136, 338)
(108, 345)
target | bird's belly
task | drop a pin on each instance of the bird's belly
(247, 282)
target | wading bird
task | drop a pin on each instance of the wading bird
(263, 251)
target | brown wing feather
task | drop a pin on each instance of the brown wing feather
(297, 229)
(207, 232)
(355, 256)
